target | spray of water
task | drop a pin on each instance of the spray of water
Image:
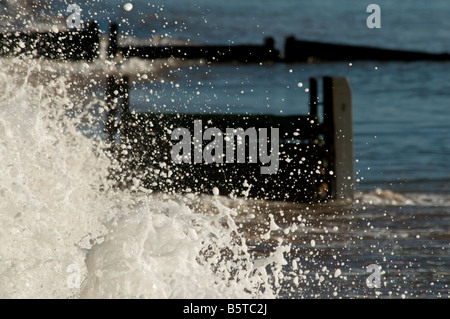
(61, 219)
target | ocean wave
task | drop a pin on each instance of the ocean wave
(388, 197)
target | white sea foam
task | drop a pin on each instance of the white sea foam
(163, 250)
(60, 219)
(48, 187)
(387, 197)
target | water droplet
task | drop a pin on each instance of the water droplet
(127, 6)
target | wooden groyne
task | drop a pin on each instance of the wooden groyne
(295, 51)
(311, 51)
(84, 44)
(64, 45)
(315, 155)
(245, 53)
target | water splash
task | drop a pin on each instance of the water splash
(49, 185)
(164, 250)
(57, 210)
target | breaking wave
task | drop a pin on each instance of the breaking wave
(66, 233)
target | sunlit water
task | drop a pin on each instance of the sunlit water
(60, 218)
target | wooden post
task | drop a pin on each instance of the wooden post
(93, 40)
(269, 43)
(113, 45)
(124, 92)
(289, 50)
(117, 92)
(338, 121)
(313, 97)
(112, 99)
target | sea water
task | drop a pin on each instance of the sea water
(67, 233)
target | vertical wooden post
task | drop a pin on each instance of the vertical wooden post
(269, 44)
(313, 97)
(94, 41)
(113, 45)
(112, 99)
(124, 91)
(289, 49)
(338, 121)
(117, 92)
